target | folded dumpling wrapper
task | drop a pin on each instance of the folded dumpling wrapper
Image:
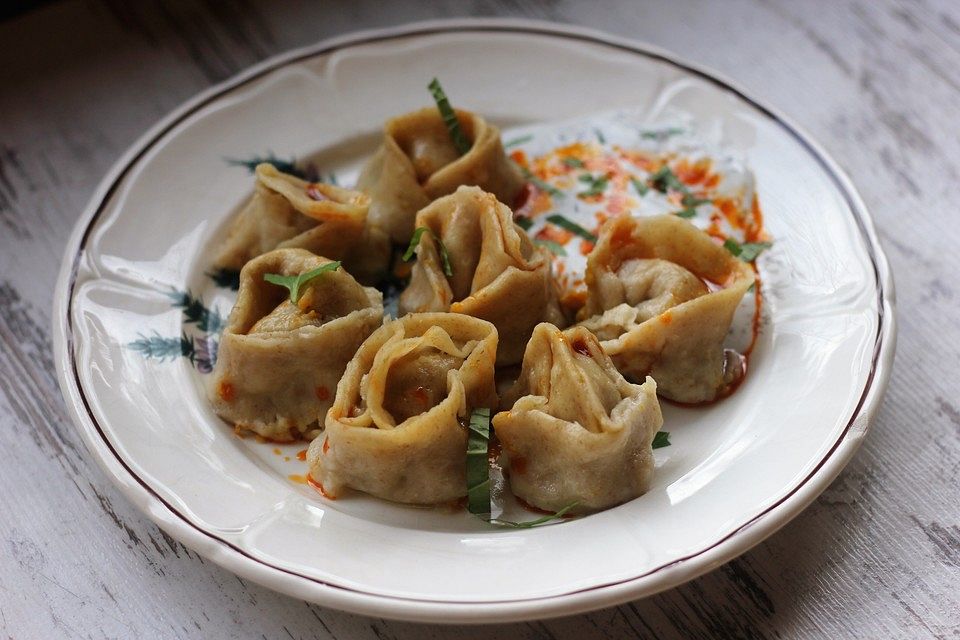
(279, 363)
(650, 304)
(497, 273)
(418, 163)
(397, 429)
(287, 212)
(577, 431)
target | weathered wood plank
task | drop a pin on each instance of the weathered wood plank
(877, 83)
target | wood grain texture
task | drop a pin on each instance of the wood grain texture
(877, 82)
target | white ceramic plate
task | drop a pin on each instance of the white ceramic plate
(735, 473)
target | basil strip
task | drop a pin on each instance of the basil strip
(662, 439)
(415, 240)
(449, 117)
(295, 283)
(478, 465)
(571, 226)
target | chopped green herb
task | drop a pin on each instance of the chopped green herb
(690, 200)
(597, 185)
(664, 180)
(748, 251)
(600, 138)
(478, 475)
(523, 222)
(662, 439)
(551, 246)
(573, 163)
(571, 226)
(449, 117)
(295, 283)
(518, 141)
(660, 134)
(478, 465)
(533, 523)
(690, 203)
(639, 186)
(732, 246)
(415, 240)
(540, 184)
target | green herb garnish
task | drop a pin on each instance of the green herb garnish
(523, 222)
(296, 283)
(540, 184)
(664, 180)
(478, 475)
(600, 138)
(518, 141)
(415, 240)
(596, 185)
(571, 226)
(690, 203)
(662, 439)
(573, 163)
(478, 464)
(661, 134)
(639, 186)
(449, 117)
(551, 246)
(748, 251)
(533, 523)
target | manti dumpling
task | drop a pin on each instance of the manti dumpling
(397, 429)
(287, 212)
(497, 273)
(279, 363)
(576, 431)
(418, 163)
(650, 303)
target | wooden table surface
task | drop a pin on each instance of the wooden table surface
(876, 81)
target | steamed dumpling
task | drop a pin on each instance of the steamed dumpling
(287, 212)
(649, 303)
(418, 163)
(576, 430)
(497, 273)
(279, 363)
(397, 429)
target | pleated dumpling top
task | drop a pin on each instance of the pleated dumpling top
(279, 362)
(417, 162)
(575, 430)
(651, 303)
(495, 272)
(397, 429)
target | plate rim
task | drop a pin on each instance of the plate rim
(239, 561)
